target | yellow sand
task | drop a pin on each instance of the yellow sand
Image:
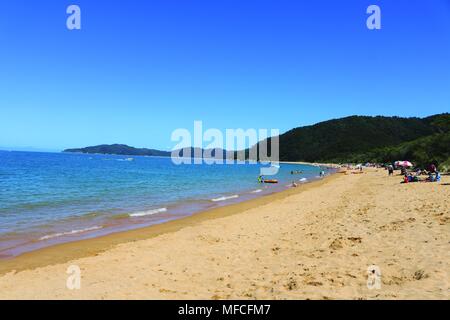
(315, 242)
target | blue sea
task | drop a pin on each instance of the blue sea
(48, 198)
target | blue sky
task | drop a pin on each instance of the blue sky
(137, 70)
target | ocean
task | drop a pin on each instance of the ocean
(49, 198)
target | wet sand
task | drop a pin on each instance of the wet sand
(315, 241)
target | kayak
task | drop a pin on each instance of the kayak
(270, 181)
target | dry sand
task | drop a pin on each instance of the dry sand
(315, 242)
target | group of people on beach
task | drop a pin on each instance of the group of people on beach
(432, 174)
(415, 177)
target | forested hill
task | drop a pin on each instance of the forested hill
(351, 138)
(120, 149)
(123, 149)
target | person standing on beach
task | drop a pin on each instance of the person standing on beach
(390, 170)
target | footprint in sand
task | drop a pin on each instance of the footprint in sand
(340, 242)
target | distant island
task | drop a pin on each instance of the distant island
(125, 150)
(120, 149)
(350, 139)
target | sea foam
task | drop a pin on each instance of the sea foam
(225, 198)
(61, 234)
(148, 212)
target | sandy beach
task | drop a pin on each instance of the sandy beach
(311, 242)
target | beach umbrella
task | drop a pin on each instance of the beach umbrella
(405, 164)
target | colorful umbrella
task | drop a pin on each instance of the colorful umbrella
(405, 164)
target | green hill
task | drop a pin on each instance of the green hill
(123, 149)
(350, 139)
(423, 151)
(120, 149)
(363, 138)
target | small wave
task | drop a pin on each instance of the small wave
(303, 180)
(148, 212)
(225, 198)
(61, 234)
(257, 191)
(127, 159)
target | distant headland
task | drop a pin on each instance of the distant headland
(354, 139)
(120, 149)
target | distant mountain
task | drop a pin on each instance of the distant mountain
(120, 149)
(206, 153)
(350, 139)
(123, 149)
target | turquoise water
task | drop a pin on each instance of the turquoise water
(47, 198)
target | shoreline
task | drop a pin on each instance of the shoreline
(318, 241)
(316, 164)
(96, 220)
(66, 251)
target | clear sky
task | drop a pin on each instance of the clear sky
(137, 70)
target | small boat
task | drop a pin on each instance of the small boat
(270, 181)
